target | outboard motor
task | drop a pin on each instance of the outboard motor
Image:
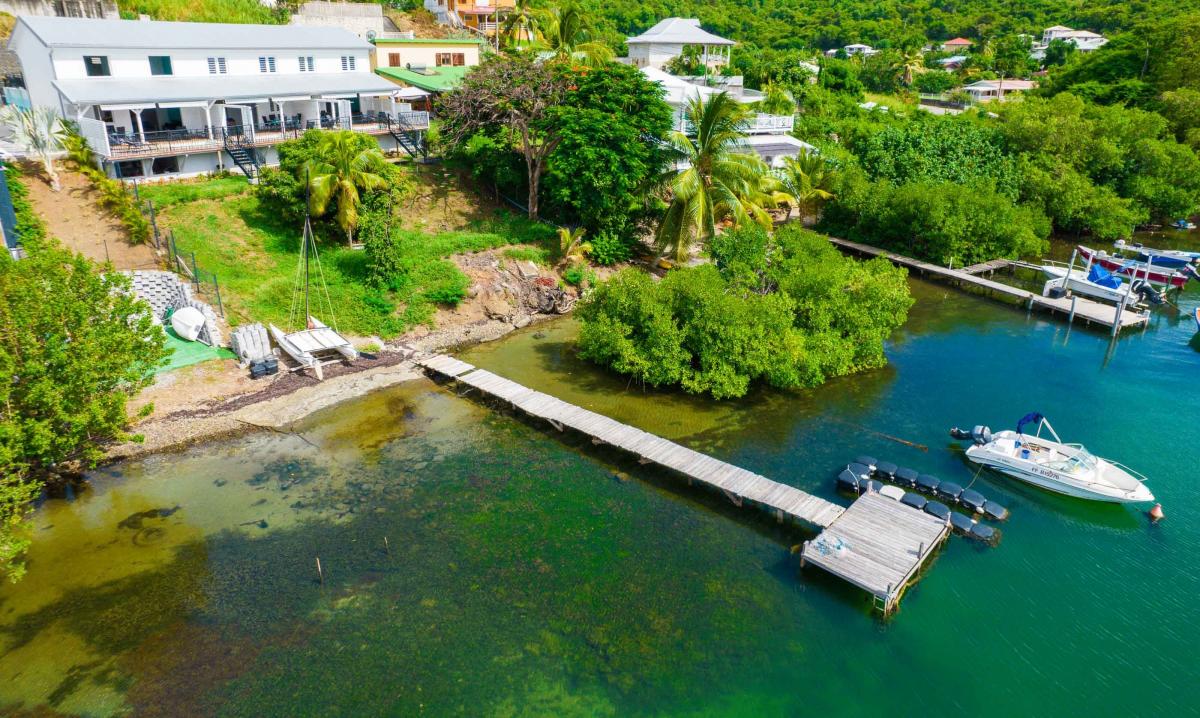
(979, 434)
(1148, 293)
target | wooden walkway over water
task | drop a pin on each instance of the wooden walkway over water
(1074, 307)
(875, 547)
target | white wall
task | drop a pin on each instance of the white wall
(423, 55)
(36, 66)
(69, 64)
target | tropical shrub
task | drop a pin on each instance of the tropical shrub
(610, 248)
(787, 310)
(77, 345)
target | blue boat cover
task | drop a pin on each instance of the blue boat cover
(1031, 418)
(1103, 277)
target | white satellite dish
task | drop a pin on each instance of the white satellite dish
(370, 34)
(187, 323)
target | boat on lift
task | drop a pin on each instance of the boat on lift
(1163, 258)
(1133, 268)
(1183, 224)
(1068, 469)
(1098, 283)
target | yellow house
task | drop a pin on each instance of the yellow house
(432, 64)
(482, 16)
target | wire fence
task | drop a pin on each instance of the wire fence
(204, 283)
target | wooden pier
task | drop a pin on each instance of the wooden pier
(1073, 307)
(879, 548)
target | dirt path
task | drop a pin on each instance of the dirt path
(73, 216)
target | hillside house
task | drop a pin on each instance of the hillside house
(668, 39)
(173, 98)
(428, 64)
(988, 90)
(479, 17)
(958, 44)
(769, 136)
(1083, 40)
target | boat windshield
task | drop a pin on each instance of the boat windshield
(1081, 462)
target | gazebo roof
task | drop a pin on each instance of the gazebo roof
(679, 31)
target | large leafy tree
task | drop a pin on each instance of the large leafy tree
(712, 181)
(522, 23)
(339, 172)
(612, 122)
(515, 97)
(75, 345)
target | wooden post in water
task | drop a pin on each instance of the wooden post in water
(320, 573)
(1071, 319)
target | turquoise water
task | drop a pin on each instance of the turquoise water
(520, 577)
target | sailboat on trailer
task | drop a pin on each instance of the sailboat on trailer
(316, 344)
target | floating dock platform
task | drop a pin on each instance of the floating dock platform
(876, 546)
(1073, 307)
(881, 562)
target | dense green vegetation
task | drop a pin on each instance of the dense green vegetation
(788, 310)
(74, 346)
(239, 11)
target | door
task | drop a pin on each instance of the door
(239, 119)
(344, 113)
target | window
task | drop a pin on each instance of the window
(160, 65)
(306, 64)
(393, 59)
(97, 65)
(460, 59)
(266, 64)
(164, 165)
(347, 62)
(456, 59)
(443, 58)
(216, 66)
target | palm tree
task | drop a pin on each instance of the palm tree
(912, 62)
(339, 171)
(777, 100)
(40, 132)
(521, 23)
(713, 182)
(572, 248)
(567, 33)
(809, 179)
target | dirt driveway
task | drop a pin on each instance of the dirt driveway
(74, 217)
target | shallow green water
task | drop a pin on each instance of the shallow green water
(520, 577)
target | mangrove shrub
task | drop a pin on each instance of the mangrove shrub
(787, 310)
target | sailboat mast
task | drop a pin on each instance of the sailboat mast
(307, 237)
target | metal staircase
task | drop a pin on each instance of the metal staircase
(243, 155)
(409, 137)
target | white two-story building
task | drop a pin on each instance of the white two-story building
(173, 98)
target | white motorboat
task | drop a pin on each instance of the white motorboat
(1108, 289)
(1068, 469)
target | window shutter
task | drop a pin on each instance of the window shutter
(344, 63)
(352, 62)
(271, 63)
(212, 65)
(221, 65)
(262, 64)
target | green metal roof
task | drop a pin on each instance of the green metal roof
(441, 79)
(427, 41)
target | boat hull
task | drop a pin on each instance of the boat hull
(1133, 269)
(1079, 284)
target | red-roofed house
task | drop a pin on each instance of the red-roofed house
(956, 45)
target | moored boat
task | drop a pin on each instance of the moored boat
(1068, 469)
(1162, 258)
(1133, 268)
(1097, 283)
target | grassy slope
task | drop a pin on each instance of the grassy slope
(256, 257)
(239, 11)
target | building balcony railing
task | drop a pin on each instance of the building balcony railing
(182, 141)
(759, 123)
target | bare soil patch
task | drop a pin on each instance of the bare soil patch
(75, 218)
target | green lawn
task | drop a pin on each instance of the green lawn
(256, 257)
